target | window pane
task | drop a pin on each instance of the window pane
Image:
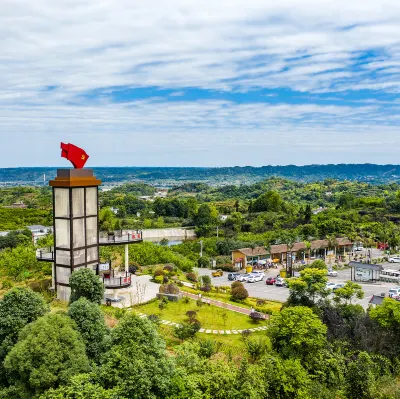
(78, 202)
(79, 233)
(79, 257)
(91, 201)
(62, 233)
(91, 230)
(63, 275)
(63, 258)
(61, 202)
(92, 254)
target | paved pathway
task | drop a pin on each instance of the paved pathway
(220, 304)
(207, 331)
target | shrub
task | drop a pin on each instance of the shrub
(318, 264)
(255, 348)
(208, 348)
(170, 288)
(256, 316)
(169, 268)
(199, 303)
(187, 330)
(159, 279)
(239, 293)
(185, 299)
(162, 304)
(246, 333)
(227, 268)
(6, 284)
(154, 318)
(165, 279)
(237, 284)
(191, 314)
(205, 288)
(261, 302)
(84, 283)
(158, 272)
(204, 261)
(191, 277)
(206, 280)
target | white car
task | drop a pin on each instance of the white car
(393, 292)
(254, 277)
(243, 277)
(332, 273)
(394, 259)
(330, 286)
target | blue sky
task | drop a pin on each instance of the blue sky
(200, 83)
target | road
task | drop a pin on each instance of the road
(261, 290)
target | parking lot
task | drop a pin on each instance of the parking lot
(261, 290)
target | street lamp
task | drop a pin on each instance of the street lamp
(201, 248)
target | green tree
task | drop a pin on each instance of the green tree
(49, 352)
(81, 387)
(19, 307)
(90, 322)
(297, 332)
(347, 293)
(270, 201)
(84, 283)
(137, 364)
(387, 314)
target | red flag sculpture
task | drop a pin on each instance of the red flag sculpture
(74, 154)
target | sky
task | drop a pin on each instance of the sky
(200, 82)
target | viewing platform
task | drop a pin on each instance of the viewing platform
(45, 255)
(116, 281)
(120, 237)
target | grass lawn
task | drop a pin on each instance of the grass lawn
(210, 317)
(250, 302)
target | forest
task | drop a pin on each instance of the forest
(315, 345)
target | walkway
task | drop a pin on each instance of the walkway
(220, 304)
(207, 331)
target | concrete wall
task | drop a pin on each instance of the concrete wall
(175, 233)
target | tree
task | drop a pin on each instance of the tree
(206, 219)
(84, 283)
(270, 201)
(90, 322)
(19, 307)
(387, 314)
(311, 285)
(81, 387)
(307, 214)
(297, 332)
(49, 352)
(137, 364)
(347, 293)
(239, 293)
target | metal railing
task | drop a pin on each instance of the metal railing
(122, 281)
(120, 237)
(45, 255)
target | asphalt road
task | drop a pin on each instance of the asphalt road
(261, 290)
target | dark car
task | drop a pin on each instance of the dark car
(233, 276)
(270, 281)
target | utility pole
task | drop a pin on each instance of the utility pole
(217, 230)
(201, 248)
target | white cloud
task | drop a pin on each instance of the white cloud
(77, 47)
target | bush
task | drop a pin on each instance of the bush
(208, 348)
(204, 261)
(205, 288)
(170, 288)
(199, 303)
(239, 293)
(6, 284)
(185, 299)
(187, 330)
(318, 264)
(246, 333)
(158, 272)
(255, 348)
(191, 314)
(159, 279)
(169, 268)
(237, 284)
(256, 316)
(227, 267)
(206, 280)
(191, 277)
(84, 283)
(261, 302)
(154, 319)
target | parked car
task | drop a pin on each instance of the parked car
(243, 277)
(233, 276)
(394, 292)
(359, 248)
(332, 273)
(260, 274)
(254, 277)
(394, 259)
(270, 281)
(337, 286)
(280, 282)
(330, 286)
(217, 273)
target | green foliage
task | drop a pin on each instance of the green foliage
(255, 347)
(15, 238)
(387, 314)
(239, 293)
(81, 387)
(297, 332)
(348, 293)
(90, 322)
(203, 261)
(137, 365)
(205, 279)
(49, 352)
(318, 264)
(14, 219)
(186, 330)
(84, 283)
(19, 307)
(270, 201)
(147, 253)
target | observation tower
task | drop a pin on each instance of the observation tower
(76, 228)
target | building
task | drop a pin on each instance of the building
(76, 233)
(319, 250)
(365, 272)
(17, 205)
(39, 231)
